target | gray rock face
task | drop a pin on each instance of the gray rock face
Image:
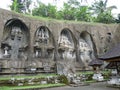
(66, 53)
(64, 46)
(86, 51)
(44, 48)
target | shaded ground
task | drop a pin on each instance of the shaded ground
(92, 86)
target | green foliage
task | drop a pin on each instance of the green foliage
(105, 17)
(83, 14)
(118, 20)
(31, 87)
(39, 86)
(17, 6)
(27, 4)
(71, 10)
(5, 88)
(51, 11)
(21, 6)
(102, 12)
(9, 83)
(106, 74)
(59, 15)
(99, 6)
(89, 77)
(45, 10)
(68, 12)
(63, 79)
(26, 76)
(40, 10)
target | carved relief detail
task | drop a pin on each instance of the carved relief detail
(66, 53)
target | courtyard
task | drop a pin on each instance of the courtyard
(92, 86)
(41, 50)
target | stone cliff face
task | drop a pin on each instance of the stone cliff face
(54, 40)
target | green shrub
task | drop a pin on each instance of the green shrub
(106, 75)
(89, 77)
(63, 79)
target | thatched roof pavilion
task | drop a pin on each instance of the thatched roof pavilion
(113, 57)
(112, 65)
(96, 62)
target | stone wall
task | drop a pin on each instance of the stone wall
(101, 36)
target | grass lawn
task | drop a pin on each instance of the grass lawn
(26, 76)
(91, 72)
(7, 78)
(6, 87)
(31, 87)
(85, 72)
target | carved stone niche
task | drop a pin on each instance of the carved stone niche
(108, 38)
(37, 52)
(42, 36)
(71, 54)
(61, 53)
(65, 52)
(85, 53)
(36, 43)
(15, 37)
(43, 43)
(6, 49)
(50, 52)
(64, 41)
(22, 54)
(47, 53)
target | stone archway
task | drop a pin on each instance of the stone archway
(66, 51)
(86, 48)
(44, 48)
(15, 43)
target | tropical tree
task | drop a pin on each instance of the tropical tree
(102, 12)
(73, 10)
(17, 6)
(51, 11)
(45, 10)
(105, 17)
(83, 14)
(68, 12)
(40, 10)
(59, 14)
(21, 6)
(118, 18)
(27, 4)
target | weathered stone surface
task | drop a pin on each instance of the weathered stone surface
(97, 38)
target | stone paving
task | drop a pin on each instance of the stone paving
(92, 86)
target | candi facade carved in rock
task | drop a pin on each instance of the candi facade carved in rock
(34, 46)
